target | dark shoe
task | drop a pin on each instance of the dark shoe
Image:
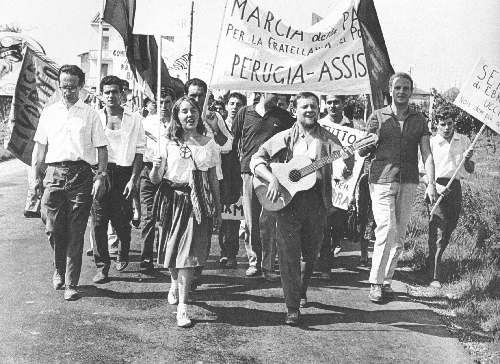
(195, 283)
(90, 252)
(376, 293)
(70, 293)
(223, 260)
(102, 275)
(231, 262)
(325, 276)
(31, 214)
(303, 302)
(253, 271)
(121, 265)
(292, 317)
(388, 292)
(136, 223)
(58, 279)
(271, 276)
(147, 265)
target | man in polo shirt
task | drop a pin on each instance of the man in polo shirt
(336, 222)
(448, 148)
(127, 143)
(394, 178)
(151, 124)
(254, 125)
(68, 134)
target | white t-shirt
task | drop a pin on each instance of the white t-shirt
(447, 156)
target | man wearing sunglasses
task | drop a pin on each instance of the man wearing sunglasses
(68, 134)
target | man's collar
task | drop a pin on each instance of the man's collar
(79, 103)
(440, 138)
(388, 111)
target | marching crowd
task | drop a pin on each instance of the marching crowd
(105, 162)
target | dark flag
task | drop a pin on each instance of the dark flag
(377, 57)
(36, 88)
(142, 50)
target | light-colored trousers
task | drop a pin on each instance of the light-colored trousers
(392, 204)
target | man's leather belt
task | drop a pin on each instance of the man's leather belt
(68, 163)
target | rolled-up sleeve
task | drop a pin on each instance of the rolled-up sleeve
(141, 140)
(228, 145)
(40, 135)
(262, 156)
(98, 137)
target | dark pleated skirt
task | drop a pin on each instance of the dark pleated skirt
(183, 243)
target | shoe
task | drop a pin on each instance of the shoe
(183, 319)
(435, 284)
(31, 214)
(195, 283)
(388, 292)
(121, 265)
(292, 317)
(136, 222)
(303, 302)
(113, 249)
(337, 251)
(231, 262)
(253, 271)
(147, 265)
(325, 276)
(375, 293)
(102, 275)
(58, 279)
(223, 260)
(363, 263)
(173, 297)
(70, 293)
(90, 252)
(271, 276)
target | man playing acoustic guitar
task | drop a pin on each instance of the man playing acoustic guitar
(300, 223)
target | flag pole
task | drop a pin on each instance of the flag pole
(190, 41)
(158, 92)
(99, 46)
(462, 162)
(205, 105)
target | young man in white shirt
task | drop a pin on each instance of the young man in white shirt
(127, 143)
(448, 148)
(68, 134)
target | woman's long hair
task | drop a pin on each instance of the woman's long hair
(174, 129)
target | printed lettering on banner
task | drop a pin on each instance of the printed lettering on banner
(343, 190)
(480, 95)
(233, 211)
(258, 51)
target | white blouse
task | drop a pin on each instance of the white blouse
(179, 168)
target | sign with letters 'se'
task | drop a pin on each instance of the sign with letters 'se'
(258, 51)
(480, 95)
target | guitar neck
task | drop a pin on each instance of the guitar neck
(322, 162)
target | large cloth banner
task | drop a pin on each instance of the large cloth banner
(480, 95)
(258, 51)
(342, 191)
(37, 87)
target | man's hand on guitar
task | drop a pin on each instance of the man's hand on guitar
(273, 190)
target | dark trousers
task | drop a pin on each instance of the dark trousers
(441, 226)
(148, 192)
(65, 210)
(112, 206)
(229, 240)
(300, 234)
(333, 233)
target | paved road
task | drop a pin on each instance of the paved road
(237, 319)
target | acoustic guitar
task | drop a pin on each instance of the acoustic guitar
(299, 175)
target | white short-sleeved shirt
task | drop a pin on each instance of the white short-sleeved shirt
(447, 156)
(71, 135)
(128, 141)
(179, 169)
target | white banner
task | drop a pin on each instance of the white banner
(233, 211)
(162, 17)
(258, 51)
(343, 190)
(480, 95)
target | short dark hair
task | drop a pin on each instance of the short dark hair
(239, 96)
(220, 103)
(125, 83)
(195, 82)
(111, 80)
(167, 91)
(400, 75)
(340, 97)
(72, 70)
(305, 95)
(444, 112)
(174, 129)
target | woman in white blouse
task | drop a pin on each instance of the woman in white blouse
(187, 203)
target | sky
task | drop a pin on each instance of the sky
(438, 41)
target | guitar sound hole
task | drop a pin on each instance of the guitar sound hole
(294, 175)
